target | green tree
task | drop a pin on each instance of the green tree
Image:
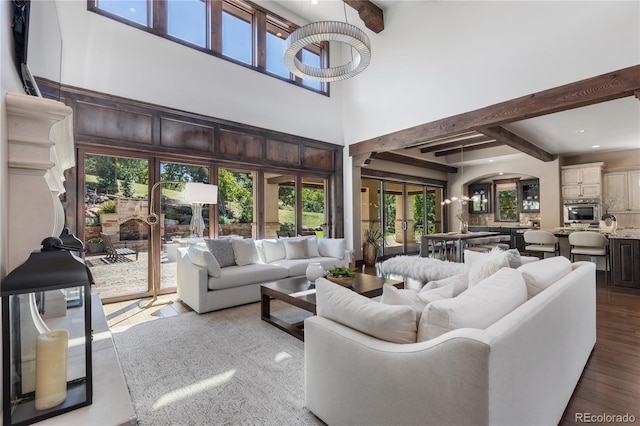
(235, 201)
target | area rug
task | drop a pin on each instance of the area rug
(421, 268)
(224, 368)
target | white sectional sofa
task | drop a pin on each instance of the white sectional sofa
(518, 369)
(208, 288)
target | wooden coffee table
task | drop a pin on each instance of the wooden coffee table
(301, 292)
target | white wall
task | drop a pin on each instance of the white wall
(107, 56)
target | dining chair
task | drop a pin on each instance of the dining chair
(592, 244)
(541, 242)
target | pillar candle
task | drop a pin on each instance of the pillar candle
(51, 368)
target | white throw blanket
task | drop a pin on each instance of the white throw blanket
(421, 268)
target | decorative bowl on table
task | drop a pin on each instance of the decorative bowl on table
(342, 276)
(580, 226)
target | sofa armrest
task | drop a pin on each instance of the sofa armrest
(191, 282)
(350, 377)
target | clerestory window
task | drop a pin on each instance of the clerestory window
(234, 30)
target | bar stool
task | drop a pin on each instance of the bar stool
(541, 242)
(591, 244)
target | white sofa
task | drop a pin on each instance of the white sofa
(237, 285)
(521, 370)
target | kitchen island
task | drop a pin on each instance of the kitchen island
(625, 258)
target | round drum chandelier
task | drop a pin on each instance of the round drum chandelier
(327, 31)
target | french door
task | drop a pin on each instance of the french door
(402, 211)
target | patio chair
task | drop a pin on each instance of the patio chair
(117, 254)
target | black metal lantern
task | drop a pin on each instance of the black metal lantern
(46, 341)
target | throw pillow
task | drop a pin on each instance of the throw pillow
(417, 300)
(296, 249)
(222, 249)
(386, 322)
(204, 259)
(312, 241)
(332, 247)
(541, 274)
(487, 265)
(460, 283)
(273, 250)
(478, 307)
(514, 258)
(245, 251)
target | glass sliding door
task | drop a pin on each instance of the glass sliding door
(116, 206)
(236, 203)
(176, 215)
(314, 209)
(279, 205)
(370, 206)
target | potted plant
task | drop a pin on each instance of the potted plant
(371, 244)
(95, 245)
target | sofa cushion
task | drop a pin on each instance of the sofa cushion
(460, 283)
(296, 249)
(541, 274)
(222, 249)
(387, 322)
(204, 259)
(236, 276)
(245, 251)
(417, 300)
(332, 247)
(298, 267)
(273, 250)
(512, 255)
(478, 307)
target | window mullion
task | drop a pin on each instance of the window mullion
(216, 26)
(158, 10)
(260, 37)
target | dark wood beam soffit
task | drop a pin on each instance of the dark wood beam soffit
(370, 14)
(605, 87)
(480, 139)
(412, 161)
(486, 145)
(501, 134)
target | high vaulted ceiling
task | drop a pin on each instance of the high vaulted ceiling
(597, 114)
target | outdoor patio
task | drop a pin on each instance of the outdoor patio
(121, 278)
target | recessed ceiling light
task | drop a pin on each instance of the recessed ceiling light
(595, 146)
(580, 131)
(491, 161)
(501, 173)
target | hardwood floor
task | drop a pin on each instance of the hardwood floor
(610, 383)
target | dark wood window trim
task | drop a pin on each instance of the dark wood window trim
(158, 17)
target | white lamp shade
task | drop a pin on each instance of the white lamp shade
(201, 193)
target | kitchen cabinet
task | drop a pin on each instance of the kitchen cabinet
(622, 190)
(625, 269)
(529, 196)
(583, 180)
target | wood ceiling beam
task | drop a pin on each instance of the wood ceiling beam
(606, 87)
(370, 14)
(412, 161)
(486, 145)
(450, 145)
(501, 134)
